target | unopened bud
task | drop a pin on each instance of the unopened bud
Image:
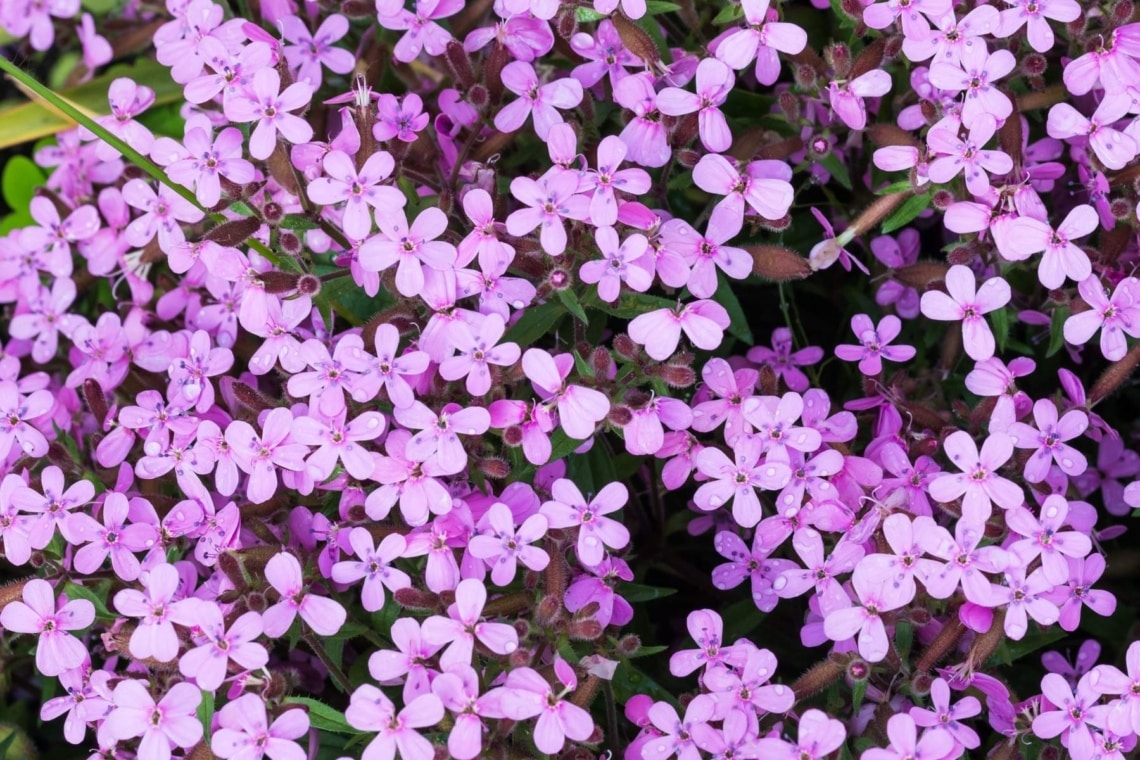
(459, 61)
(929, 111)
(1120, 208)
(636, 40)
(494, 468)
(920, 683)
(625, 347)
(279, 282)
(870, 59)
(688, 158)
(559, 279)
(415, 599)
(1122, 12)
(513, 436)
(858, 670)
(789, 106)
(566, 23)
(619, 415)
(548, 611)
(818, 678)
(309, 285)
(1113, 377)
(478, 96)
(289, 242)
(234, 233)
(922, 274)
(96, 400)
(805, 76)
(942, 199)
(358, 9)
(961, 255)
(602, 362)
(585, 630)
(777, 263)
(838, 56)
(676, 375)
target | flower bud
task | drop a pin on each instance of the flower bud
(778, 264)
(478, 96)
(961, 255)
(920, 683)
(559, 279)
(602, 362)
(1034, 64)
(789, 106)
(677, 375)
(858, 670)
(234, 233)
(585, 630)
(619, 415)
(494, 468)
(289, 243)
(805, 77)
(838, 56)
(625, 347)
(96, 400)
(870, 59)
(358, 9)
(942, 199)
(688, 158)
(1115, 376)
(929, 111)
(459, 62)
(1122, 12)
(921, 275)
(415, 599)
(636, 40)
(548, 612)
(566, 22)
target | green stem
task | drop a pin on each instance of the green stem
(318, 649)
(68, 109)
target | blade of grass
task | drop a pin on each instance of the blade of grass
(79, 115)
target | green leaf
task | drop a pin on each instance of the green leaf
(629, 680)
(206, 713)
(636, 592)
(1057, 330)
(649, 651)
(729, 13)
(1001, 327)
(570, 300)
(19, 182)
(838, 171)
(535, 322)
(858, 691)
(906, 213)
(75, 591)
(738, 322)
(904, 639)
(657, 7)
(895, 187)
(297, 222)
(562, 445)
(586, 15)
(322, 717)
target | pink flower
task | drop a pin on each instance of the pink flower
(678, 735)
(198, 161)
(882, 15)
(261, 455)
(569, 509)
(714, 82)
(373, 564)
(737, 480)
(1114, 317)
(528, 695)
(170, 722)
(111, 537)
(56, 650)
(746, 687)
(162, 212)
(703, 322)
(410, 661)
(864, 620)
(320, 613)
(785, 362)
(1049, 441)
(951, 34)
(551, 199)
(477, 350)
(357, 190)
(338, 442)
(1074, 712)
(458, 689)
(462, 627)
(543, 101)
(644, 135)
(759, 41)
(1026, 236)
(245, 732)
(707, 253)
(948, 716)
(580, 409)
(502, 546)
(47, 313)
(978, 483)
(389, 369)
(965, 562)
(127, 99)
(968, 303)
(206, 664)
(976, 74)
(1077, 592)
(607, 179)
(764, 186)
(439, 433)
(819, 736)
(155, 636)
(935, 743)
(875, 346)
(309, 50)
(847, 98)
(403, 122)
(371, 711)
(265, 103)
(624, 262)
(408, 247)
(954, 155)
(423, 33)
(1037, 14)
(1113, 147)
(707, 629)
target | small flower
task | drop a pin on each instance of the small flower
(310, 50)
(462, 627)
(373, 564)
(760, 40)
(170, 722)
(322, 614)
(265, 103)
(543, 101)
(207, 663)
(703, 322)
(876, 344)
(551, 199)
(625, 262)
(978, 483)
(569, 509)
(56, 650)
(953, 155)
(1026, 236)
(1049, 441)
(847, 98)
(968, 303)
(245, 732)
(477, 350)
(976, 74)
(715, 81)
(906, 745)
(1114, 317)
(410, 248)
(155, 636)
(1075, 712)
(357, 190)
(502, 546)
(370, 710)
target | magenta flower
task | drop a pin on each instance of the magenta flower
(1112, 147)
(876, 344)
(325, 616)
(338, 442)
(357, 190)
(978, 483)
(580, 409)
(968, 303)
(462, 627)
(551, 199)
(543, 101)
(864, 620)
(1076, 711)
(111, 537)
(608, 179)
(409, 662)
(746, 687)
(1026, 236)
(707, 253)
(1037, 15)
(764, 186)
(389, 369)
(206, 664)
(784, 361)
(1049, 441)
(162, 213)
(965, 563)
(703, 323)
(907, 12)
(312, 49)
(439, 433)
(737, 480)
(948, 716)
(371, 711)
(403, 121)
(644, 135)
(935, 743)
(477, 350)
(261, 455)
(715, 81)
(56, 650)
(198, 162)
(821, 571)
(423, 33)
(458, 689)
(951, 34)
(529, 694)
(373, 564)
(569, 509)
(170, 722)
(47, 314)
(953, 155)
(759, 41)
(976, 74)
(409, 248)
(245, 732)
(1077, 592)
(1114, 317)
(625, 261)
(846, 98)
(127, 99)
(265, 103)
(707, 629)
(502, 546)
(819, 736)
(677, 735)
(155, 636)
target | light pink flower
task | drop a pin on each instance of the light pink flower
(170, 722)
(357, 190)
(325, 616)
(1049, 441)
(569, 509)
(1026, 236)
(737, 480)
(155, 636)
(846, 98)
(759, 41)
(551, 199)
(715, 81)
(373, 564)
(624, 261)
(703, 322)
(954, 155)
(370, 710)
(265, 103)
(529, 695)
(245, 732)
(502, 546)
(478, 349)
(580, 409)
(976, 74)
(56, 649)
(207, 662)
(543, 101)
(875, 346)
(312, 49)
(1113, 147)
(978, 483)
(462, 627)
(1115, 317)
(968, 303)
